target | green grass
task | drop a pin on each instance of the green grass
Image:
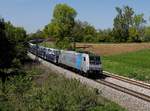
(42, 90)
(48, 44)
(134, 64)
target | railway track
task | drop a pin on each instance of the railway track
(124, 90)
(125, 97)
(127, 80)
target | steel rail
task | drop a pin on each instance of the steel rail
(125, 90)
(127, 80)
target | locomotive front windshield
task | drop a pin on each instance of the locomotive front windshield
(95, 60)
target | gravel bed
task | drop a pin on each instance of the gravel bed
(128, 85)
(127, 101)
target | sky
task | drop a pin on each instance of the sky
(33, 15)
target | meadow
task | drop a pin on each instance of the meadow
(105, 49)
(132, 64)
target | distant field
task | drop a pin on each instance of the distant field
(107, 49)
(111, 49)
(134, 64)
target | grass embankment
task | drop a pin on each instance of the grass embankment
(48, 44)
(39, 89)
(134, 64)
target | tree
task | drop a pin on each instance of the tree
(147, 34)
(105, 35)
(90, 33)
(136, 32)
(78, 31)
(21, 43)
(48, 30)
(62, 23)
(122, 23)
(6, 45)
(38, 35)
(12, 48)
(128, 26)
(84, 32)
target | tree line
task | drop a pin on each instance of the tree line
(127, 27)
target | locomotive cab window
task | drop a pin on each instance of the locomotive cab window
(95, 60)
(84, 58)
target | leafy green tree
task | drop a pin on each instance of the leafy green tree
(122, 23)
(128, 26)
(62, 23)
(6, 45)
(37, 35)
(13, 48)
(78, 31)
(17, 37)
(90, 33)
(84, 32)
(136, 32)
(105, 35)
(147, 34)
(48, 30)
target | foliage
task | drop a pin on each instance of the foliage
(147, 34)
(89, 33)
(13, 49)
(12, 44)
(105, 36)
(128, 26)
(122, 22)
(78, 32)
(16, 87)
(136, 32)
(48, 44)
(133, 64)
(49, 30)
(56, 93)
(84, 32)
(37, 35)
(62, 24)
(6, 47)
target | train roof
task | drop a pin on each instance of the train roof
(89, 53)
(69, 52)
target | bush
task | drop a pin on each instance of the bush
(55, 93)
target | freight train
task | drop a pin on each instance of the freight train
(83, 62)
